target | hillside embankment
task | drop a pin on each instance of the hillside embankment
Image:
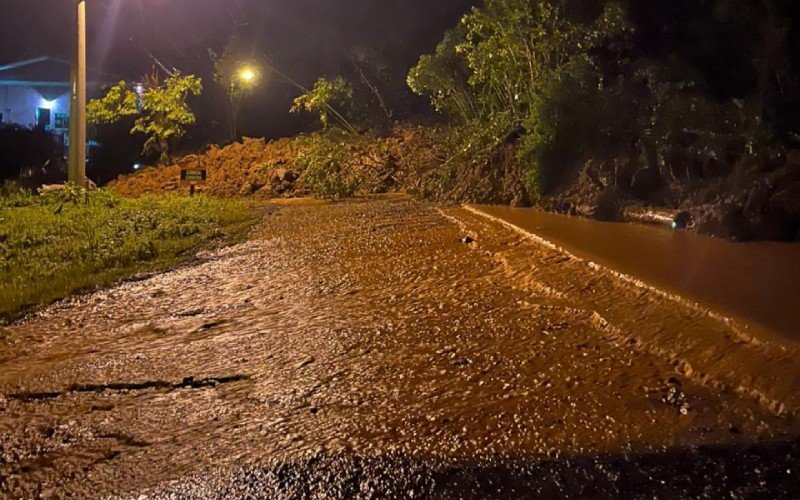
(729, 195)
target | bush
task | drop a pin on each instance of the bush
(336, 164)
(478, 165)
(23, 148)
(327, 161)
(515, 68)
(573, 82)
(577, 117)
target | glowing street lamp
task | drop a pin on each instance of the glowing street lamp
(245, 78)
(241, 82)
(248, 75)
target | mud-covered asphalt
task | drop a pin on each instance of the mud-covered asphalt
(391, 348)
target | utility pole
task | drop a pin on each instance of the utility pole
(77, 118)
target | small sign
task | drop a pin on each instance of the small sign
(197, 176)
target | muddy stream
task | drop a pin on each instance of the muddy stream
(755, 282)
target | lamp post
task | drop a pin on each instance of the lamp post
(242, 81)
(76, 171)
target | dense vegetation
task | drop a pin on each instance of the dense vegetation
(585, 106)
(577, 79)
(61, 242)
(567, 103)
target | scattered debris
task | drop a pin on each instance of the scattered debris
(306, 362)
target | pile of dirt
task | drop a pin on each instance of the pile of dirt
(727, 194)
(427, 169)
(253, 167)
(400, 160)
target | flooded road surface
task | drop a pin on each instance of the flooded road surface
(390, 348)
(756, 281)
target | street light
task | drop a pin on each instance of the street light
(76, 170)
(248, 75)
(241, 81)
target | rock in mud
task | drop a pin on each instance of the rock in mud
(283, 180)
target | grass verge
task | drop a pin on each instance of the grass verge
(55, 245)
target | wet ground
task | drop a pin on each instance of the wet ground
(387, 347)
(757, 281)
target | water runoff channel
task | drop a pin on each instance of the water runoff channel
(757, 283)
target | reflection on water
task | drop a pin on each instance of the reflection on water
(758, 282)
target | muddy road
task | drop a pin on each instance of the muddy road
(387, 347)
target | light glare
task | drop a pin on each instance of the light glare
(247, 74)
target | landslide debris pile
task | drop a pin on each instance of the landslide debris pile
(252, 167)
(740, 196)
(401, 160)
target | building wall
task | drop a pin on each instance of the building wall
(19, 104)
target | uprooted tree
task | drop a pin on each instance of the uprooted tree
(160, 109)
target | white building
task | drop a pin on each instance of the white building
(35, 92)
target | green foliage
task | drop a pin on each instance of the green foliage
(563, 77)
(324, 99)
(161, 109)
(678, 109)
(328, 161)
(574, 121)
(336, 164)
(471, 171)
(514, 48)
(118, 102)
(443, 77)
(498, 72)
(56, 244)
(12, 195)
(70, 193)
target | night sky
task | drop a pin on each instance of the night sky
(304, 38)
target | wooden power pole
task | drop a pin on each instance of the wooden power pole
(77, 118)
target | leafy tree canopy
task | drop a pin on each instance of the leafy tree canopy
(324, 98)
(161, 109)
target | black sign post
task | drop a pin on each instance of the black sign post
(192, 178)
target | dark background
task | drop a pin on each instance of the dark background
(729, 49)
(303, 38)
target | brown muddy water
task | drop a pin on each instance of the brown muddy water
(388, 348)
(757, 282)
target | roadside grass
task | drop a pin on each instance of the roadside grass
(59, 244)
